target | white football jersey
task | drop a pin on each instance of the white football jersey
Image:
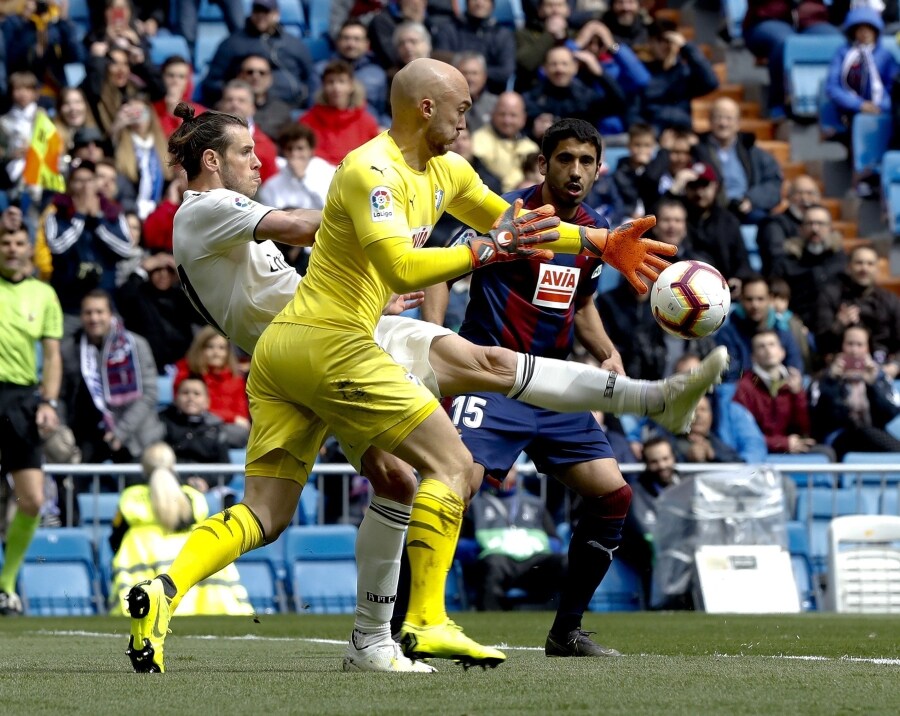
(243, 284)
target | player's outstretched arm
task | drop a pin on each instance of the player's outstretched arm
(515, 235)
(296, 227)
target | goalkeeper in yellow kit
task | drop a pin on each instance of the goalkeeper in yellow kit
(317, 368)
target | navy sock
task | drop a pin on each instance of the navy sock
(594, 540)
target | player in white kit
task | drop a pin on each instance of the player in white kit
(238, 280)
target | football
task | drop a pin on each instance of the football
(690, 299)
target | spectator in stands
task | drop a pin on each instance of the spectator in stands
(149, 529)
(352, 46)
(856, 299)
(272, 114)
(136, 226)
(339, 117)
(632, 170)
(186, 14)
(713, 229)
(90, 144)
(464, 145)
(385, 23)
(157, 227)
(637, 548)
(193, 432)
(754, 313)
(599, 57)
(178, 78)
(153, 305)
(547, 29)
(813, 259)
(41, 41)
(702, 444)
(672, 228)
(515, 537)
(141, 154)
(211, 358)
(861, 73)
(751, 178)
(118, 29)
(678, 73)
(774, 395)
(803, 192)
(474, 69)
(476, 30)
(562, 94)
(17, 124)
(237, 99)
(72, 113)
(786, 319)
(28, 398)
(117, 189)
(411, 42)
(88, 239)
(629, 23)
(304, 181)
(768, 24)
(671, 169)
(854, 400)
(501, 146)
(115, 76)
(294, 80)
(109, 385)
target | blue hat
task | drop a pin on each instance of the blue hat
(863, 15)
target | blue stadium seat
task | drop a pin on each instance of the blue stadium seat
(613, 155)
(162, 47)
(734, 10)
(262, 587)
(890, 188)
(78, 11)
(817, 506)
(798, 547)
(97, 508)
(748, 234)
(620, 590)
(209, 37)
(57, 589)
(322, 568)
(803, 477)
(871, 458)
(165, 390)
(209, 12)
(890, 502)
(62, 544)
(806, 60)
(319, 47)
(870, 135)
(75, 73)
(104, 560)
(318, 14)
(455, 596)
(509, 13)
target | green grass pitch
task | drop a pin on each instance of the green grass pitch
(674, 664)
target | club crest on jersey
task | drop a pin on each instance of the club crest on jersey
(241, 202)
(381, 203)
(438, 198)
(597, 271)
(556, 286)
(420, 235)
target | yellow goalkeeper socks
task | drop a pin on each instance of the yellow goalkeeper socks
(431, 543)
(213, 545)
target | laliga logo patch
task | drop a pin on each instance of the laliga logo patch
(381, 202)
(241, 202)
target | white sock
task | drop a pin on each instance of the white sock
(379, 545)
(566, 386)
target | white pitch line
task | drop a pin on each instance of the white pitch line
(881, 661)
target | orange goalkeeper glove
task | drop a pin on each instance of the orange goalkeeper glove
(625, 250)
(513, 237)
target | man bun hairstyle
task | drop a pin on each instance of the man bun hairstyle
(197, 133)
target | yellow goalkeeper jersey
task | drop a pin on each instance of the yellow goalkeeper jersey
(376, 196)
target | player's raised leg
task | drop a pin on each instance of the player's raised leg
(605, 500)
(267, 508)
(566, 386)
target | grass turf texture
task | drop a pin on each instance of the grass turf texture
(674, 664)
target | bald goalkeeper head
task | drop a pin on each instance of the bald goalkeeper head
(429, 101)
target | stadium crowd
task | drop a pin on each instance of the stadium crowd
(814, 336)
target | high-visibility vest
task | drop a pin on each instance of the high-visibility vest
(147, 550)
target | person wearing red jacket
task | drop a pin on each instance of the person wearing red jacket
(774, 395)
(339, 117)
(178, 78)
(210, 357)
